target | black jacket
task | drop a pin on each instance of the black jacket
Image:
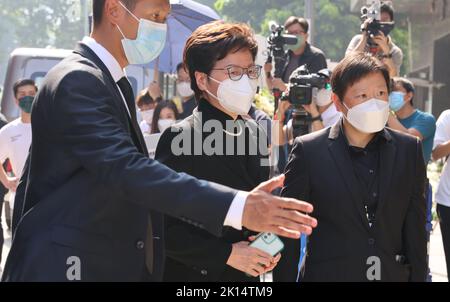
(193, 254)
(312, 57)
(89, 185)
(320, 171)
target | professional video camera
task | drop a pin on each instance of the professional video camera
(277, 42)
(303, 87)
(302, 83)
(373, 12)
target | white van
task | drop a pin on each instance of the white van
(34, 63)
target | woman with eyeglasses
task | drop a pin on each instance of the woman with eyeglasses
(219, 143)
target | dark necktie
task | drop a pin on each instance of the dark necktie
(128, 94)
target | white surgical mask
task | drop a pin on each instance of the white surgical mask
(164, 124)
(185, 90)
(149, 43)
(236, 96)
(370, 116)
(323, 97)
(147, 116)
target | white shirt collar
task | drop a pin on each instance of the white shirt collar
(106, 57)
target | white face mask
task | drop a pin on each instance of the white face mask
(323, 97)
(164, 124)
(147, 116)
(370, 116)
(185, 90)
(236, 96)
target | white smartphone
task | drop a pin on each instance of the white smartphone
(269, 243)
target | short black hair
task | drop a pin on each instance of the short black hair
(144, 98)
(21, 83)
(354, 67)
(98, 7)
(297, 20)
(212, 42)
(406, 84)
(386, 7)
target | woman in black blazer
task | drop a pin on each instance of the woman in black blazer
(221, 62)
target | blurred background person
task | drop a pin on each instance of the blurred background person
(442, 151)
(146, 102)
(407, 119)
(297, 55)
(185, 91)
(220, 58)
(15, 137)
(166, 114)
(146, 106)
(384, 48)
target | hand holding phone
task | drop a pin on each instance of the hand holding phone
(269, 243)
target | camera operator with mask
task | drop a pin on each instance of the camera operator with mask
(321, 111)
(381, 44)
(297, 55)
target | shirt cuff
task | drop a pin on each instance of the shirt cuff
(236, 211)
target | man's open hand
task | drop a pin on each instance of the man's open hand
(285, 217)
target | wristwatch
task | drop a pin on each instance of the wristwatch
(317, 118)
(389, 56)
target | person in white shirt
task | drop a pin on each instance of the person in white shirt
(441, 149)
(15, 138)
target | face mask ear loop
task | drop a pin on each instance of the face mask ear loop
(121, 32)
(345, 115)
(212, 95)
(218, 82)
(137, 19)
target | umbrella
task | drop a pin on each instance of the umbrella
(186, 16)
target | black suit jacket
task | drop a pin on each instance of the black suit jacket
(320, 171)
(193, 254)
(89, 186)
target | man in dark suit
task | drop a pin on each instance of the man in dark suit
(83, 203)
(366, 183)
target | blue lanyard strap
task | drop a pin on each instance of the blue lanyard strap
(301, 263)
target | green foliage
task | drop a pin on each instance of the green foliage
(39, 23)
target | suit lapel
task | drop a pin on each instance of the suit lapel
(339, 152)
(136, 133)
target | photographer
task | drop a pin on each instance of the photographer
(380, 45)
(297, 55)
(321, 111)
